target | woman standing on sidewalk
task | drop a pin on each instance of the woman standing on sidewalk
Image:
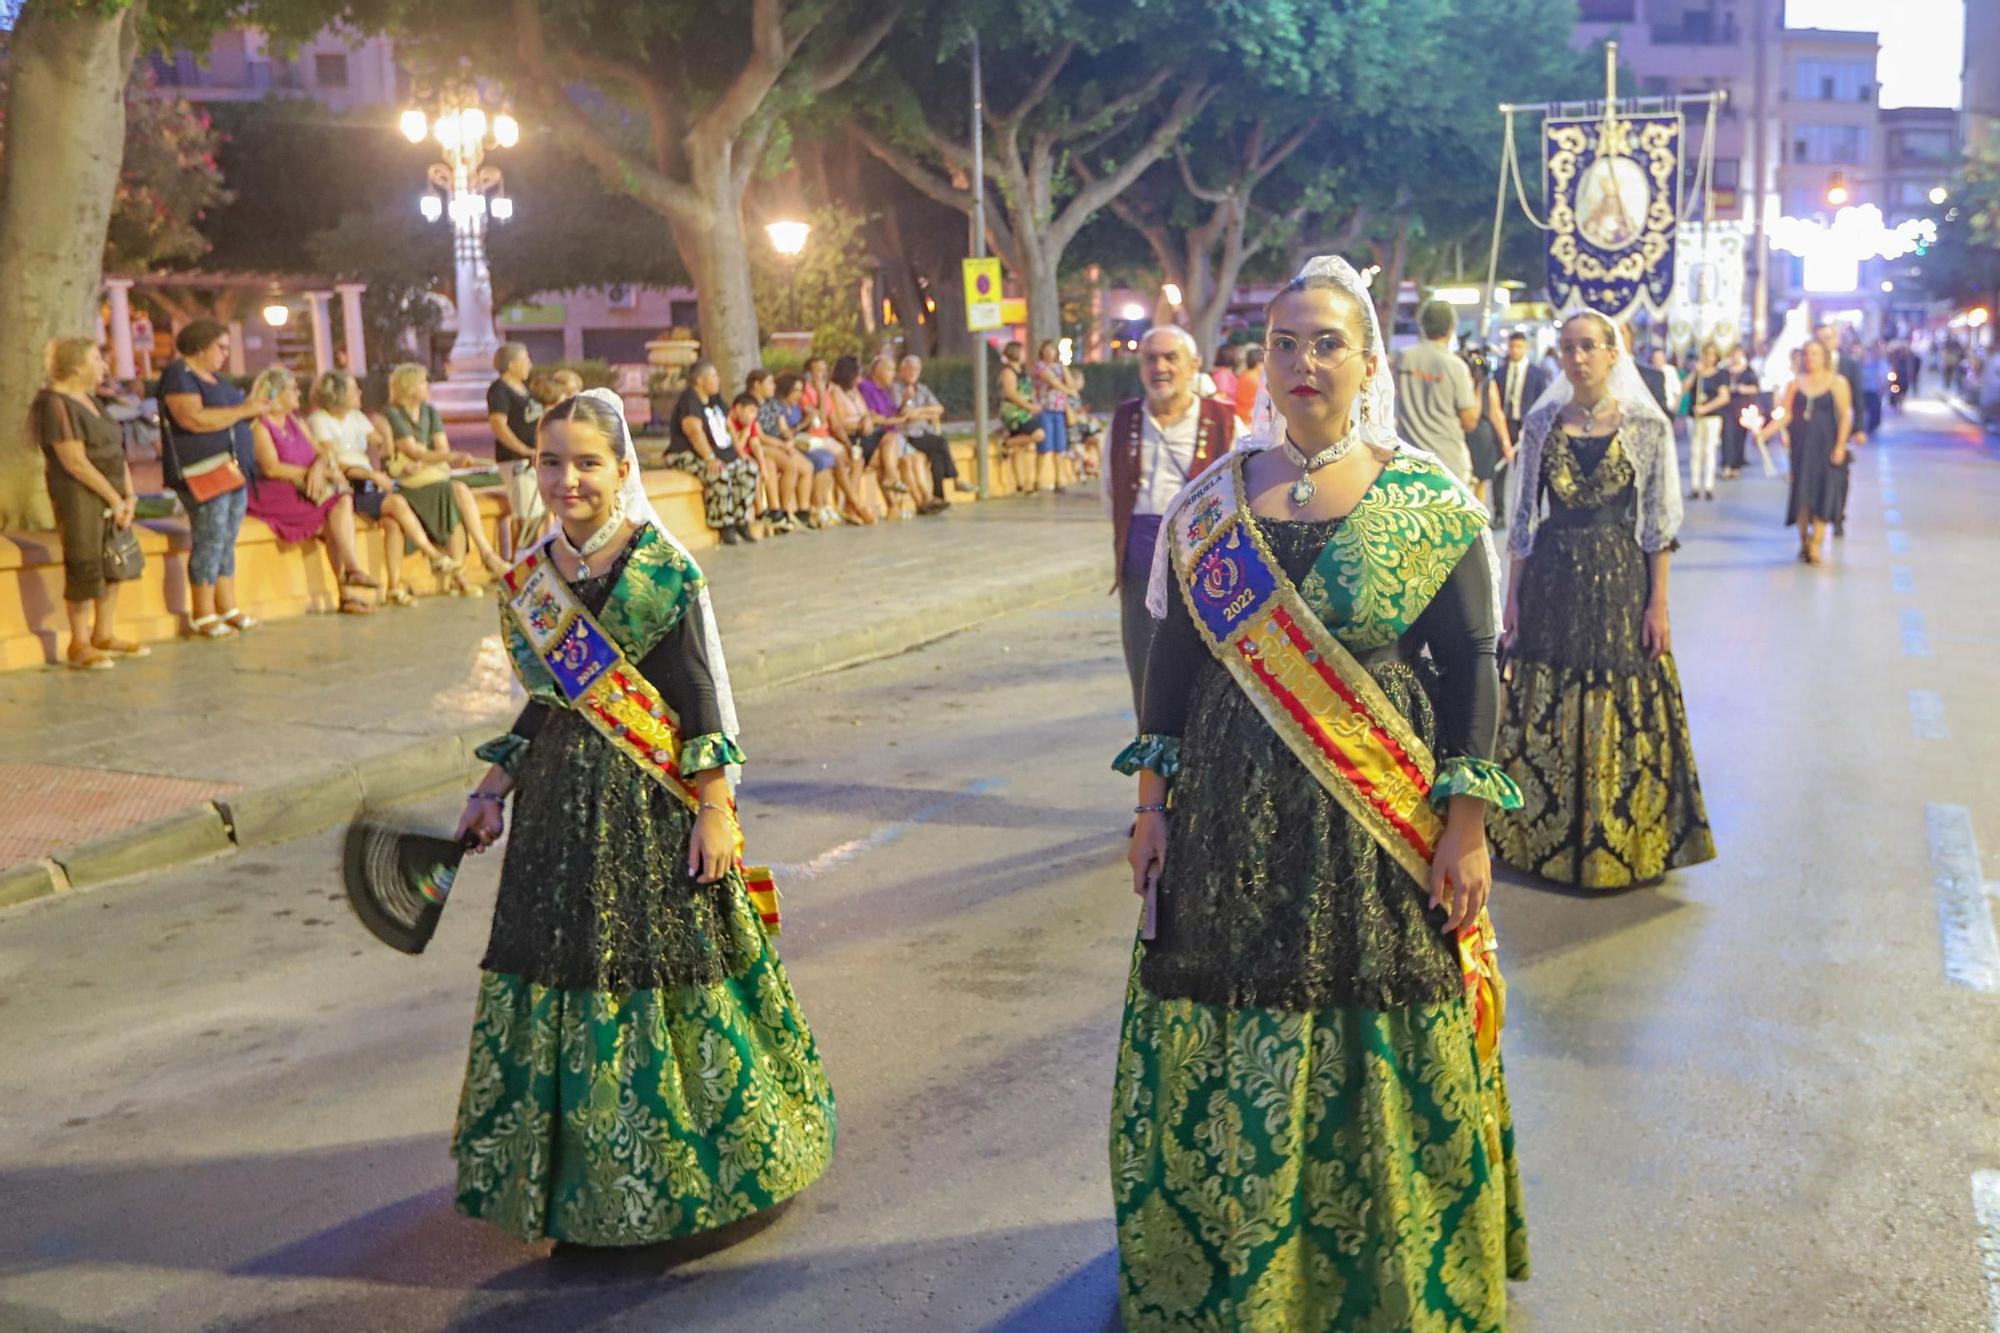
(84, 454)
(640, 1069)
(206, 451)
(1309, 1122)
(1594, 731)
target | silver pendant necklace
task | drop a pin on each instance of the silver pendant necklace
(597, 540)
(1303, 489)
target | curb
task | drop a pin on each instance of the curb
(319, 801)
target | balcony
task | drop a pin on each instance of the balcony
(1698, 28)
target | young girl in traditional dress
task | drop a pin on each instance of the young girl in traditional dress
(640, 1069)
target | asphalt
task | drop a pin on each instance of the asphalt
(1751, 1098)
(205, 748)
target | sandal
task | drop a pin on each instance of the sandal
(442, 564)
(357, 578)
(121, 648)
(356, 606)
(211, 627)
(238, 621)
(90, 661)
(399, 596)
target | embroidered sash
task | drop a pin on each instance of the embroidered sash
(611, 694)
(1323, 704)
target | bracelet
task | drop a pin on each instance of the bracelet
(719, 809)
(1149, 809)
(492, 796)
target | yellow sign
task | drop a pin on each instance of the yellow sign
(982, 295)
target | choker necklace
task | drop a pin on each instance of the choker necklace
(1303, 488)
(597, 540)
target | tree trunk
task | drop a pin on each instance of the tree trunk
(717, 255)
(1038, 276)
(66, 125)
(952, 338)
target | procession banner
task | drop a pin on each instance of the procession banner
(1709, 273)
(1613, 195)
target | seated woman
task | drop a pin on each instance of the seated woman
(1019, 417)
(700, 444)
(787, 473)
(347, 436)
(923, 427)
(421, 460)
(299, 493)
(781, 416)
(870, 436)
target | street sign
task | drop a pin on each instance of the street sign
(982, 295)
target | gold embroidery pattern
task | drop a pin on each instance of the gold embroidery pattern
(623, 1118)
(1340, 1169)
(1390, 556)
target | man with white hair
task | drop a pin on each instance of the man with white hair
(1159, 443)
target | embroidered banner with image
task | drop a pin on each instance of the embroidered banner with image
(1614, 196)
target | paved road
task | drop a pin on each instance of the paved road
(1749, 1100)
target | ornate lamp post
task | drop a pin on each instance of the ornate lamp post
(467, 189)
(789, 240)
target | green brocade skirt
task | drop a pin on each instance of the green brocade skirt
(608, 1118)
(1340, 1169)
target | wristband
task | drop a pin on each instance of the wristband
(494, 797)
(1149, 809)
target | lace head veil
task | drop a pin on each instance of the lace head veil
(638, 508)
(1376, 425)
(1646, 436)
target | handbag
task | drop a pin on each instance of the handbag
(123, 560)
(208, 478)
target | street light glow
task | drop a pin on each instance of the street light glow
(1977, 316)
(1888, 286)
(1940, 194)
(788, 238)
(1172, 292)
(415, 125)
(1133, 310)
(506, 130)
(471, 125)
(446, 132)
(503, 208)
(277, 314)
(1457, 295)
(430, 206)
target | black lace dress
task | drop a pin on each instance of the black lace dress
(1593, 731)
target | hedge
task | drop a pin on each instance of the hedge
(1105, 383)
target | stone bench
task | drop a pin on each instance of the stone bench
(273, 579)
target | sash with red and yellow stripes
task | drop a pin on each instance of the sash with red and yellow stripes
(1322, 702)
(611, 694)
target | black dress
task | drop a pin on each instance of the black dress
(1593, 731)
(1819, 486)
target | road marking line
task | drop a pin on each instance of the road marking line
(1965, 917)
(1927, 716)
(1892, 518)
(1899, 542)
(1902, 579)
(1986, 1207)
(836, 856)
(1915, 642)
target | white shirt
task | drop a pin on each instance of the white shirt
(1166, 461)
(348, 435)
(1514, 402)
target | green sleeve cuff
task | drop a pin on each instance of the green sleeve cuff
(1162, 754)
(701, 753)
(1481, 778)
(506, 751)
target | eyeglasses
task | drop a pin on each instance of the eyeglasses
(1582, 346)
(1326, 349)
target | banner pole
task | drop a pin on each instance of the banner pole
(1499, 217)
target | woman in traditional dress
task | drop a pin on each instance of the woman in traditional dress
(1816, 411)
(1310, 1126)
(640, 1069)
(1594, 731)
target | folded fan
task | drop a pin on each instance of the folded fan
(397, 881)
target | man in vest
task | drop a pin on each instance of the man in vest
(1159, 443)
(1521, 382)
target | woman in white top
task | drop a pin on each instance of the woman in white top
(345, 434)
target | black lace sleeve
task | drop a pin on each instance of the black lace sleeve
(1458, 629)
(679, 669)
(1176, 655)
(529, 724)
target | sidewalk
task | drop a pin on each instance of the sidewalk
(205, 747)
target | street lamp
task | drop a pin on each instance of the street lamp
(277, 314)
(788, 238)
(467, 189)
(1939, 194)
(1836, 189)
(1172, 292)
